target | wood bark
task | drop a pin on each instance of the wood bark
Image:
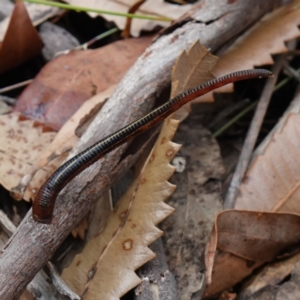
(214, 23)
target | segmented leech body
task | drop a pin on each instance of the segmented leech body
(44, 201)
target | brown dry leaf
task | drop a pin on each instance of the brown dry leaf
(191, 69)
(38, 13)
(255, 47)
(271, 184)
(67, 81)
(55, 153)
(156, 8)
(245, 240)
(21, 41)
(266, 238)
(122, 247)
(21, 143)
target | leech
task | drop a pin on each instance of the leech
(45, 198)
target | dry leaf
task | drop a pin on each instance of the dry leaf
(54, 154)
(154, 8)
(21, 143)
(271, 184)
(21, 41)
(122, 247)
(245, 240)
(191, 69)
(67, 81)
(255, 47)
(38, 13)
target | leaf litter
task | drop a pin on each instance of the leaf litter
(56, 152)
(21, 143)
(224, 241)
(260, 191)
(255, 47)
(106, 247)
(21, 41)
(197, 199)
(122, 247)
(66, 82)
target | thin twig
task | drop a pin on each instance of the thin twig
(15, 86)
(89, 43)
(249, 108)
(292, 72)
(252, 135)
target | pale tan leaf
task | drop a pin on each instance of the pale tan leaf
(191, 69)
(273, 179)
(157, 8)
(54, 154)
(21, 143)
(105, 268)
(256, 46)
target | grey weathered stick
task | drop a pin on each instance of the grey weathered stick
(158, 283)
(252, 135)
(41, 284)
(213, 23)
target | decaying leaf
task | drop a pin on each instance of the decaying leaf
(256, 46)
(56, 152)
(156, 8)
(67, 81)
(191, 69)
(38, 13)
(21, 41)
(245, 240)
(261, 191)
(271, 183)
(105, 268)
(21, 143)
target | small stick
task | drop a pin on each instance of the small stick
(252, 135)
(15, 86)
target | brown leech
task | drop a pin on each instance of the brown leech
(44, 201)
